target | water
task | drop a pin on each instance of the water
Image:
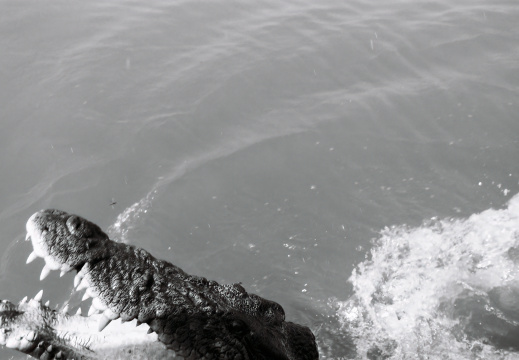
(271, 143)
(447, 289)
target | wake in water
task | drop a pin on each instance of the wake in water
(237, 140)
(446, 290)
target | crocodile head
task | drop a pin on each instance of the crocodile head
(194, 317)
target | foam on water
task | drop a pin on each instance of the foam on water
(445, 290)
(129, 218)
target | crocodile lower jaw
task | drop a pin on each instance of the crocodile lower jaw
(43, 333)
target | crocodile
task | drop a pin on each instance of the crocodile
(185, 315)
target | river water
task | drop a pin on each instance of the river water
(355, 161)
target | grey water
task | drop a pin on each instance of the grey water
(355, 161)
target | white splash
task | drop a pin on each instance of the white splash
(445, 290)
(129, 218)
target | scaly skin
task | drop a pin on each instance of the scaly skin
(195, 317)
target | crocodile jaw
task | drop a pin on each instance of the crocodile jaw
(36, 330)
(195, 317)
(128, 283)
(37, 234)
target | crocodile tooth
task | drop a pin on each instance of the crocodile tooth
(110, 314)
(31, 257)
(12, 343)
(65, 309)
(78, 312)
(59, 356)
(27, 237)
(103, 322)
(149, 331)
(82, 285)
(52, 263)
(98, 304)
(92, 310)
(85, 269)
(92, 292)
(39, 296)
(81, 274)
(77, 279)
(86, 295)
(47, 304)
(64, 269)
(31, 335)
(45, 272)
(23, 301)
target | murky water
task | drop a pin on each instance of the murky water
(271, 143)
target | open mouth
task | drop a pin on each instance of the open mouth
(195, 317)
(128, 283)
(46, 235)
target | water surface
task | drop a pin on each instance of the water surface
(271, 143)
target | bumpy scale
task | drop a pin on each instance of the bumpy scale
(195, 317)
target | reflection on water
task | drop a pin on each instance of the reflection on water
(267, 142)
(445, 290)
